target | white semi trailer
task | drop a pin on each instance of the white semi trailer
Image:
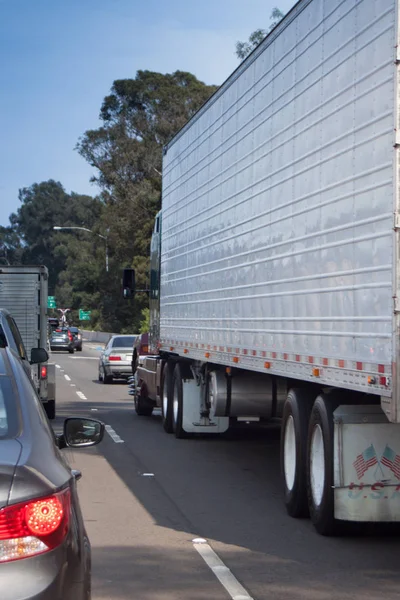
(275, 264)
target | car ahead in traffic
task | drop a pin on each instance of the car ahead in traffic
(62, 339)
(10, 337)
(115, 360)
(140, 348)
(76, 332)
(44, 548)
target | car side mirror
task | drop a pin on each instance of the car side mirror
(80, 432)
(128, 283)
(39, 355)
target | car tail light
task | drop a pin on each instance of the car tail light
(34, 527)
(114, 357)
(71, 337)
(145, 349)
(79, 336)
(43, 372)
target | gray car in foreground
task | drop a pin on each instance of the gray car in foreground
(44, 549)
(116, 359)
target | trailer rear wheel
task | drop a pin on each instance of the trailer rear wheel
(320, 465)
(143, 407)
(166, 397)
(293, 451)
(50, 408)
(177, 403)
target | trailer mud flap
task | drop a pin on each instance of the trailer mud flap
(192, 422)
(366, 465)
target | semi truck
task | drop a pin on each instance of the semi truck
(275, 281)
(24, 292)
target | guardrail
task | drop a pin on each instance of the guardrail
(96, 336)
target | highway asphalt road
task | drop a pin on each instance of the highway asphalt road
(146, 495)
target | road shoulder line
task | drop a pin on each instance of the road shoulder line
(220, 570)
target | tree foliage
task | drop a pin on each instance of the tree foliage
(243, 49)
(139, 117)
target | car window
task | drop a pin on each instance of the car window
(10, 337)
(74, 329)
(3, 339)
(17, 337)
(124, 342)
(9, 420)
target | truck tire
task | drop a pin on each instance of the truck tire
(293, 451)
(50, 408)
(166, 397)
(143, 407)
(320, 464)
(177, 403)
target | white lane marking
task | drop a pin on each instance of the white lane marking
(73, 384)
(114, 436)
(67, 377)
(147, 474)
(81, 395)
(58, 367)
(94, 409)
(220, 570)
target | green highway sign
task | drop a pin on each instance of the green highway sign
(51, 302)
(84, 315)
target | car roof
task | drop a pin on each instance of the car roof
(124, 335)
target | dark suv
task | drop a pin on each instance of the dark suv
(77, 337)
(140, 348)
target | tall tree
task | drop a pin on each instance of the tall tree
(44, 205)
(139, 117)
(243, 49)
(10, 246)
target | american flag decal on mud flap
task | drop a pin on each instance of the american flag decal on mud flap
(391, 460)
(365, 460)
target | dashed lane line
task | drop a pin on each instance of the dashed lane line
(81, 395)
(58, 367)
(220, 570)
(67, 377)
(114, 435)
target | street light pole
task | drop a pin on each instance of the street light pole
(103, 237)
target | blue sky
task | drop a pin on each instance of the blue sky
(58, 59)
